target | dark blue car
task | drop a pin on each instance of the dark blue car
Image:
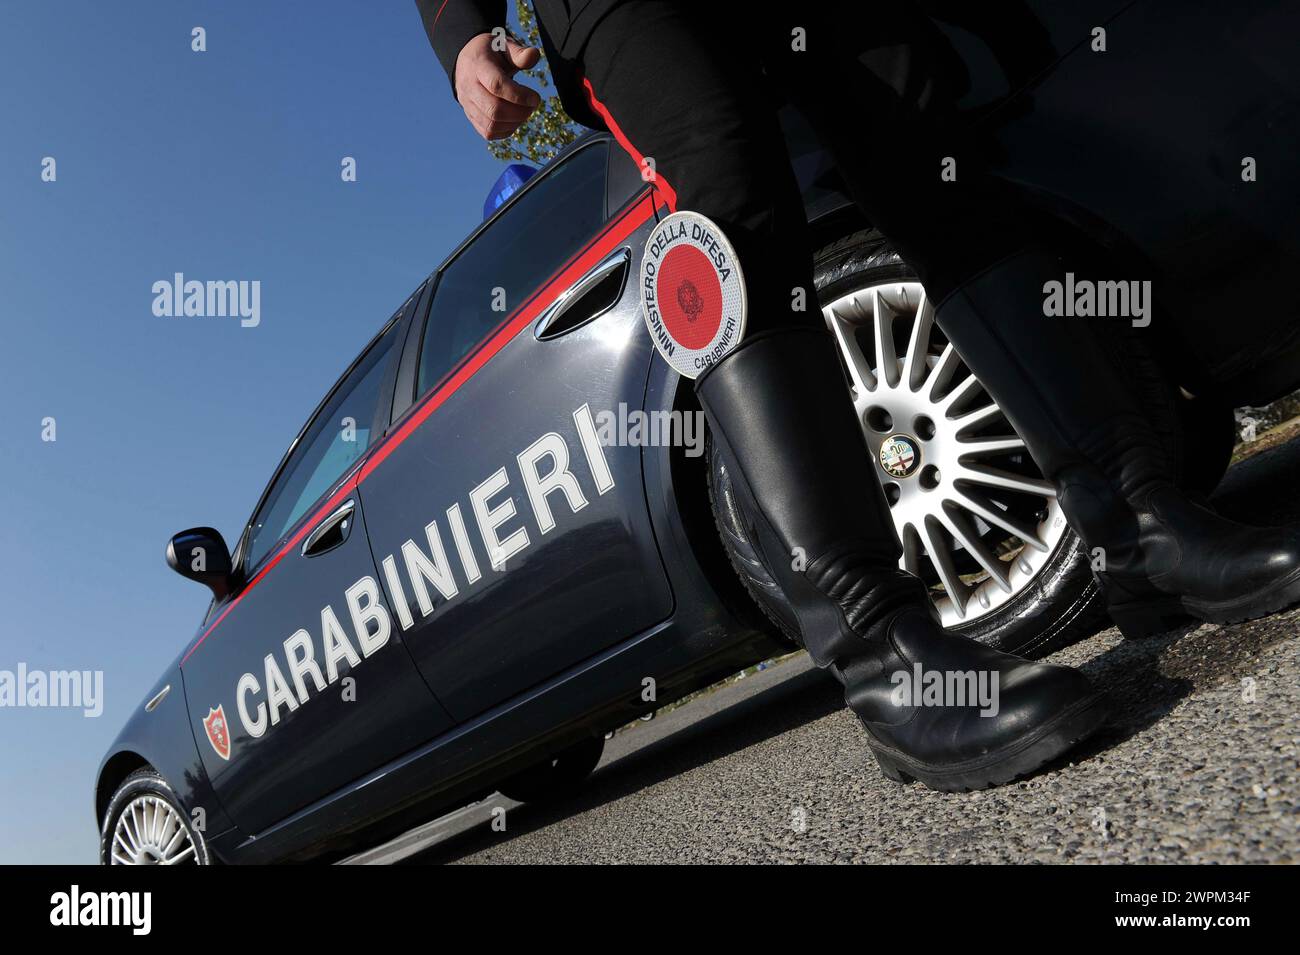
(502, 533)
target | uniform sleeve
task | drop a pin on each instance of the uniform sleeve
(450, 24)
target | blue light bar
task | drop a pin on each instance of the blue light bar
(507, 184)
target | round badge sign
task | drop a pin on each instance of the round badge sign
(692, 292)
(899, 455)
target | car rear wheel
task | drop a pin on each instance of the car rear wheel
(557, 776)
(146, 825)
(976, 519)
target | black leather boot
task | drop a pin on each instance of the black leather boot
(817, 516)
(1158, 556)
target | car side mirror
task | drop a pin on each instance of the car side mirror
(200, 554)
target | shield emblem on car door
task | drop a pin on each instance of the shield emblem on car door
(218, 731)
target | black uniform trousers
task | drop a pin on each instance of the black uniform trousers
(694, 89)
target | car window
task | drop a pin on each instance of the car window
(336, 438)
(505, 264)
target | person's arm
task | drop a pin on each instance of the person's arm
(460, 32)
(450, 24)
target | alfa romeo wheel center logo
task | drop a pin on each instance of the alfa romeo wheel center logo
(692, 292)
(899, 456)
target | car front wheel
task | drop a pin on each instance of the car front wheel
(146, 825)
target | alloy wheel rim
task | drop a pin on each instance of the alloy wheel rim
(150, 832)
(976, 518)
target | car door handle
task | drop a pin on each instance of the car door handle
(564, 314)
(330, 532)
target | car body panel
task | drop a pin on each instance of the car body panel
(321, 744)
(704, 639)
(160, 737)
(586, 578)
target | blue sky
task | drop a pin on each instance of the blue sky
(221, 165)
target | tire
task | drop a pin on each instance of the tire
(557, 776)
(1050, 605)
(157, 830)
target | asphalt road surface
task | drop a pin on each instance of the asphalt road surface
(1200, 763)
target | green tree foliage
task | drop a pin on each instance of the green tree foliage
(549, 129)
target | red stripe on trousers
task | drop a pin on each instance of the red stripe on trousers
(660, 183)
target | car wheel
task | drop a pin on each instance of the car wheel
(146, 825)
(976, 518)
(557, 776)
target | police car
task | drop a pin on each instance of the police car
(502, 534)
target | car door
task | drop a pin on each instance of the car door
(518, 542)
(302, 665)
